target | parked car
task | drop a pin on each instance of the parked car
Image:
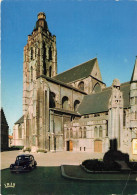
(23, 163)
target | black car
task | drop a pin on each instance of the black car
(23, 163)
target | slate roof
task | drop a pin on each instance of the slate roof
(95, 103)
(61, 83)
(76, 73)
(21, 120)
(98, 102)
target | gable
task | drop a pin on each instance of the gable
(21, 120)
(3, 118)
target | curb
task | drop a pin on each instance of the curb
(94, 179)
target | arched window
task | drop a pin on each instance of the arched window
(50, 53)
(80, 132)
(84, 132)
(97, 88)
(31, 74)
(100, 131)
(65, 104)
(95, 132)
(50, 71)
(81, 85)
(44, 58)
(76, 103)
(71, 133)
(52, 103)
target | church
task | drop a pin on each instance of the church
(73, 110)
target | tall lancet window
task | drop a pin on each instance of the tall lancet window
(44, 58)
(31, 53)
(50, 53)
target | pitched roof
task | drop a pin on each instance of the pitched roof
(98, 102)
(21, 120)
(61, 83)
(78, 72)
(95, 103)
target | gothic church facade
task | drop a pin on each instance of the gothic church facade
(73, 110)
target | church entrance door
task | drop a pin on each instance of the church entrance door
(69, 145)
(98, 146)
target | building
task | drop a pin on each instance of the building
(73, 110)
(4, 131)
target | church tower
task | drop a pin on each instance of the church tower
(40, 57)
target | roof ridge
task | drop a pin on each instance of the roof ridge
(99, 92)
(75, 66)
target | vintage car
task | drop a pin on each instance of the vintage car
(23, 163)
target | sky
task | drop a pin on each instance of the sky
(84, 29)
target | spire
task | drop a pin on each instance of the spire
(134, 74)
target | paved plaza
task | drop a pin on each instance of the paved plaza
(49, 159)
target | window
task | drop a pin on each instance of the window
(31, 55)
(50, 71)
(44, 59)
(124, 118)
(52, 100)
(80, 132)
(95, 132)
(84, 132)
(97, 88)
(65, 104)
(76, 103)
(100, 131)
(107, 128)
(81, 85)
(84, 148)
(50, 53)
